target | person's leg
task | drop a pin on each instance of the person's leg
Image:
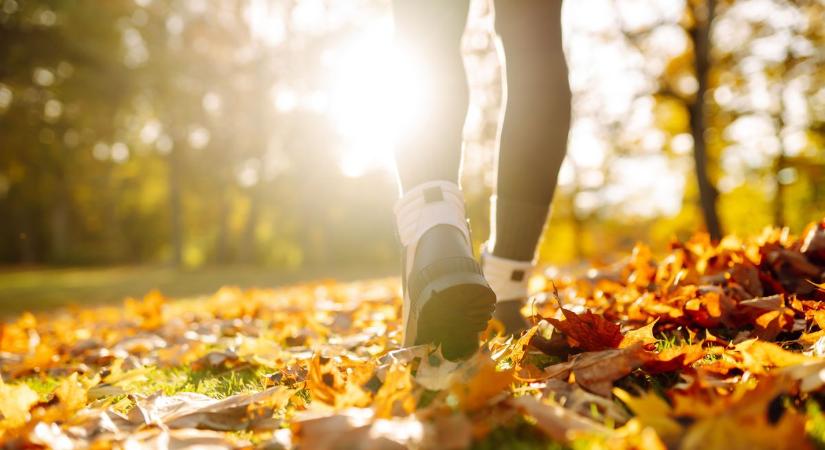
(533, 142)
(447, 302)
(533, 135)
(429, 33)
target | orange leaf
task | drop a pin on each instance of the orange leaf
(643, 335)
(480, 382)
(673, 359)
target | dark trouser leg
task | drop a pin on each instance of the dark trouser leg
(533, 138)
(430, 31)
(447, 300)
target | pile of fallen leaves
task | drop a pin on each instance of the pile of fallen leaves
(712, 346)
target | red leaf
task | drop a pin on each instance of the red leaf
(588, 331)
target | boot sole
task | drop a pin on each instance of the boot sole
(455, 308)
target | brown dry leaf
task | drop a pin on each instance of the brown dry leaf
(589, 331)
(775, 320)
(596, 371)
(356, 428)
(557, 422)
(189, 410)
(770, 303)
(156, 438)
(581, 402)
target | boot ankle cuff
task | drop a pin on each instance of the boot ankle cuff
(427, 205)
(507, 277)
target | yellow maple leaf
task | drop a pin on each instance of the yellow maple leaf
(15, 402)
(395, 396)
(652, 411)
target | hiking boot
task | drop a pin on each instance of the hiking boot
(508, 279)
(447, 301)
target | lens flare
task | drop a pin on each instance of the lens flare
(375, 90)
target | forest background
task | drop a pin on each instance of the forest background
(197, 134)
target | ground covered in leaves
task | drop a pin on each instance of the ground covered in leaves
(706, 346)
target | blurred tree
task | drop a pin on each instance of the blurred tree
(766, 107)
(702, 13)
(49, 116)
(203, 131)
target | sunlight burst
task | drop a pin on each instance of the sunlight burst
(374, 90)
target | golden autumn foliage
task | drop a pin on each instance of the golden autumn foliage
(713, 346)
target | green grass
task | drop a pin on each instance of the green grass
(668, 340)
(215, 383)
(520, 435)
(42, 385)
(816, 425)
(44, 288)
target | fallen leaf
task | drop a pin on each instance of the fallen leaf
(339, 389)
(395, 397)
(190, 410)
(15, 403)
(653, 411)
(643, 335)
(479, 383)
(589, 331)
(557, 422)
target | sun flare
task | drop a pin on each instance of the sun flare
(374, 90)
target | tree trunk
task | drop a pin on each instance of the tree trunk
(59, 224)
(781, 162)
(248, 244)
(707, 191)
(222, 244)
(60, 216)
(779, 199)
(25, 237)
(578, 226)
(175, 206)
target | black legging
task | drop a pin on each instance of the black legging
(533, 136)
